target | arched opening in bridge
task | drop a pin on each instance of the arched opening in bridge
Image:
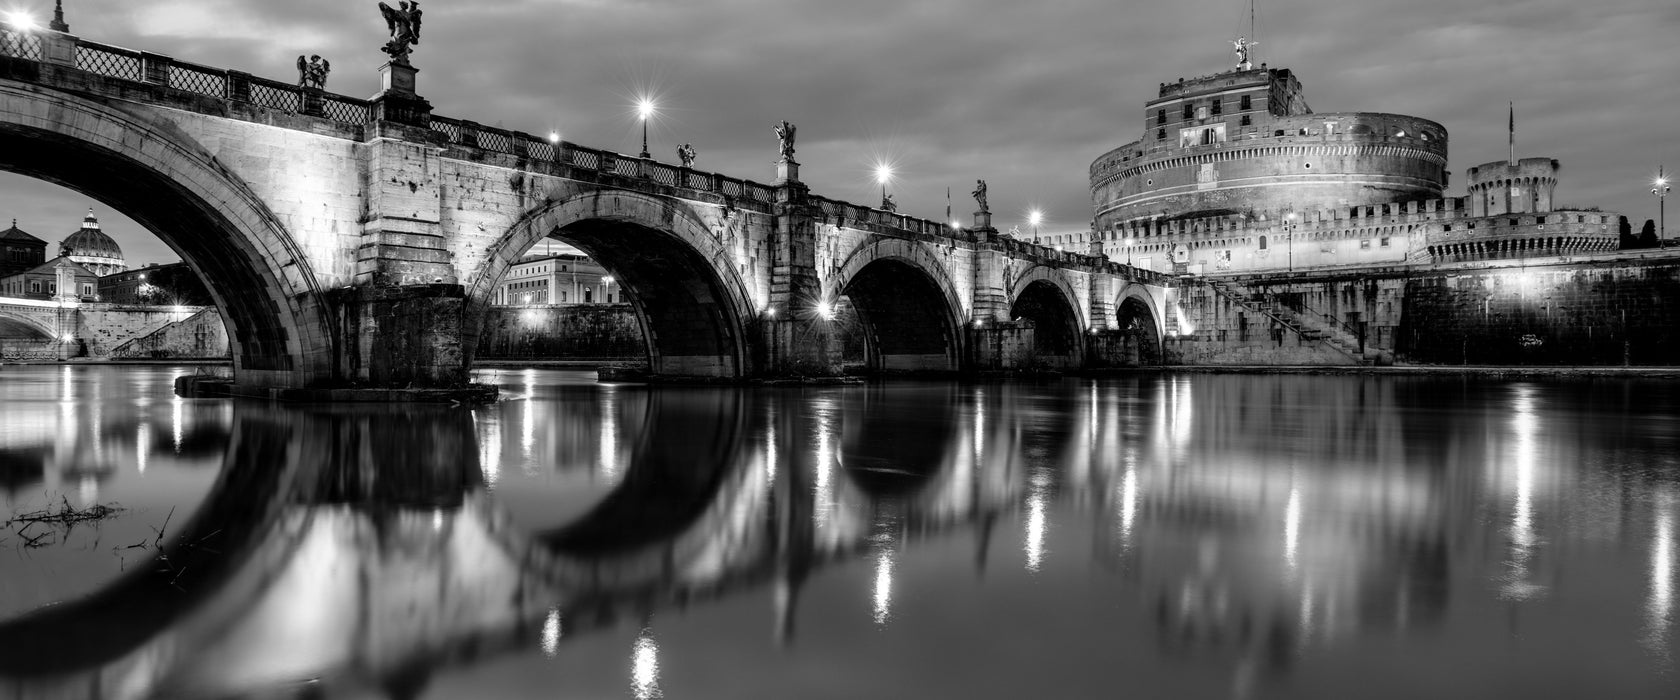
(902, 317)
(1141, 337)
(152, 217)
(21, 340)
(613, 290)
(1056, 338)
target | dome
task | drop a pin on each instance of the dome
(94, 250)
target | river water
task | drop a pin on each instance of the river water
(1156, 536)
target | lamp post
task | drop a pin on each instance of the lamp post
(645, 109)
(1289, 228)
(606, 289)
(1660, 188)
(1034, 218)
(883, 173)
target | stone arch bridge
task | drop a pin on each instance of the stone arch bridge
(357, 242)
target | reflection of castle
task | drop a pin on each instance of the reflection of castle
(1235, 172)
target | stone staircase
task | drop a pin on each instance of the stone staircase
(1311, 327)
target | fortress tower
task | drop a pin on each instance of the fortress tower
(1245, 140)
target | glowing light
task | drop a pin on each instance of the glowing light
(644, 667)
(437, 519)
(1035, 217)
(554, 137)
(68, 338)
(1037, 521)
(955, 225)
(1525, 427)
(644, 108)
(606, 279)
(1659, 606)
(825, 311)
(883, 587)
(770, 311)
(177, 408)
(883, 173)
(1292, 527)
(551, 633)
(1128, 503)
(22, 21)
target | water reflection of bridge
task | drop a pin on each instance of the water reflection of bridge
(361, 547)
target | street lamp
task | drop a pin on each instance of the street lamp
(1289, 228)
(1034, 218)
(1660, 188)
(606, 288)
(883, 173)
(645, 109)
(23, 21)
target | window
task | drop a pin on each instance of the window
(1246, 121)
(1384, 241)
(52, 287)
(588, 295)
(34, 286)
(1160, 133)
(1161, 116)
(562, 296)
(1262, 242)
(1189, 111)
(1248, 102)
(1365, 244)
(1218, 106)
(87, 290)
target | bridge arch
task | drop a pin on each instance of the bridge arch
(1046, 297)
(16, 326)
(911, 312)
(256, 271)
(692, 306)
(1138, 311)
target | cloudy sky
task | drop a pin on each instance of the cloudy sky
(1022, 94)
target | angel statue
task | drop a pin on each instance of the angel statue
(312, 73)
(404, 23)
(686, 154)
(980, 194)
(785, 132)
(888, 204)
(1244, 47)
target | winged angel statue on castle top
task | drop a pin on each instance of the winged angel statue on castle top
(404, 23)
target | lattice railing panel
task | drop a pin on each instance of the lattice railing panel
(341, 110)
(20, 45)
(265, 95)
(195, 80)
(107, 62)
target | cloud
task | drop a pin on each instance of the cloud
(1023, 95)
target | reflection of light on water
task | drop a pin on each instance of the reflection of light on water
(176, 418)
(88, 490)
(883, 586)
(1292, 527)
(142, 444)
(644, 668)
(825, 463)
(551, 633)
(66, 388)
(609, 434)
(528, 429)
(770, 453)
(979, 426)
(1525, 428)
(1659, 605)
(1182, 409)
(1128, 504)
(437, 519)
(1037, 500)
(490, 448)
(1306, 623)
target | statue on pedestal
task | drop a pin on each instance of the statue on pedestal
(686, 154)
(1243, 45)
(888, 204)
(785, 131)
(404, 23)
(980, 195)
(312, 73)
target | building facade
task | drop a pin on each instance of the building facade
(561, 278)
(20, 251)
(1234, 172)
(174, 284)
(42, 281)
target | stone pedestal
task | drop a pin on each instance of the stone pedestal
(786, 171)
(397, 77)
(398, 337)
(59, 49)
(983, 219)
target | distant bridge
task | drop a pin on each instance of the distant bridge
(349, 240)
(34, 329)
